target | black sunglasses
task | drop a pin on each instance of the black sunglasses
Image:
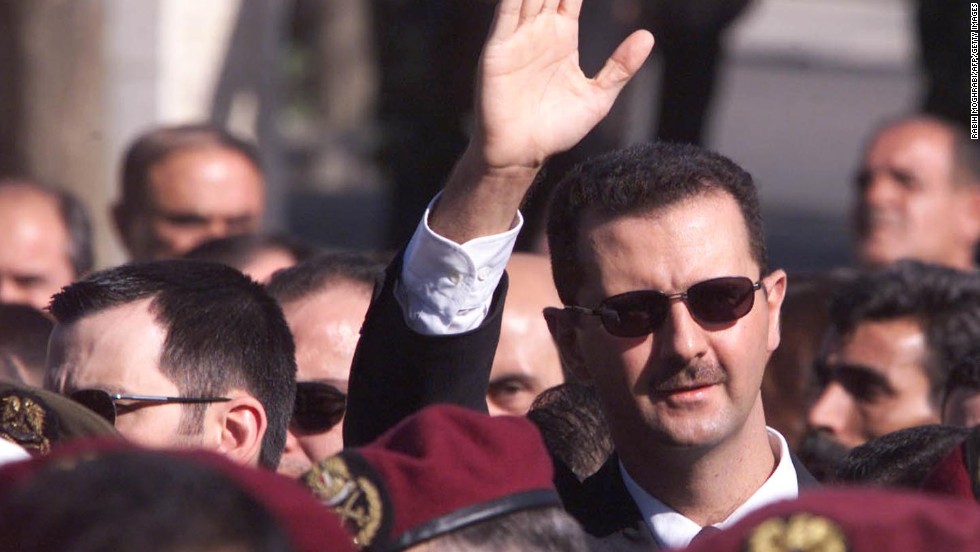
(637, 313)
(319, 406)
(103, 403)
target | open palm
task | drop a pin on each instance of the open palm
(532, 98)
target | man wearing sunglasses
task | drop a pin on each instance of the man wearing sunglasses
(324, 300)
(178, 354)
(659, 258)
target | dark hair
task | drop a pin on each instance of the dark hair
(570, 419)
(900, 459)
(548, 529)
(945, 301)
(636, 180)
(223, 331)
(75, 217)
(153, 146)
(313, 274)
(24, 333)
(237, 251)
(136, 500)
(965, 374)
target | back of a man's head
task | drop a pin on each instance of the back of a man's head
(223, 331)
(636, 180)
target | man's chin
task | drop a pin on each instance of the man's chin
(293, 468)
(821, 454)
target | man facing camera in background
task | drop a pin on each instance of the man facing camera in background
(184, 185)
(178, 353)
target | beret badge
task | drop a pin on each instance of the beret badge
(798, 533)
(340, 485)
(23, 422)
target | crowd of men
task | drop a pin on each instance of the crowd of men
(234, 390)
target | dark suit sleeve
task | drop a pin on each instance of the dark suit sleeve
(397, 371)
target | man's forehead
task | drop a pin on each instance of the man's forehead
(704, 229)
(111, 329)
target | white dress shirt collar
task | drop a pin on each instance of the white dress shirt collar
(673, 530)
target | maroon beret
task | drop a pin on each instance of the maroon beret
(441, 470)
(854, 520)
(306, 523)
(958, 473)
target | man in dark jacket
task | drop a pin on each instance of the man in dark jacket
(659, 257)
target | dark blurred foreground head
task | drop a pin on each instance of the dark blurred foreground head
(97, 496)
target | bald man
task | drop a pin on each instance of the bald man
(45, 242)
(527, 360)
(919, 195)
(184, 185)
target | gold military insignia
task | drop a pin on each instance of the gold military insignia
(22, 422)
(798, 533)
(355, 498)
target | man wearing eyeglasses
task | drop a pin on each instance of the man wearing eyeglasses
(658, 254)
(324, 300)
(178, 354)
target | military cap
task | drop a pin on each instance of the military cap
(37, 419)
(439, 471)
(853, 520)
(305, 522)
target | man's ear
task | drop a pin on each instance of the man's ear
(243, 425)
(775, 290)
(561, 324)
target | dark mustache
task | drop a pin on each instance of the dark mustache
(690, 376)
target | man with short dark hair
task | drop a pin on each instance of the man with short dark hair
(670, 309)
(184, 185)
(919, 194)
(178, 353)
(895, 334)
(45, 241)
(324, 300)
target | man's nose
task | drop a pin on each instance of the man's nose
(831, 411)
(10, 292)
(880, 189)
(681, 339)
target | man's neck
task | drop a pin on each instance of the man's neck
(705, 485)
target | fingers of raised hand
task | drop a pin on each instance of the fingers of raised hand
(625, 62)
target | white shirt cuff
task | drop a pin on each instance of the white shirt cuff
(446, 288)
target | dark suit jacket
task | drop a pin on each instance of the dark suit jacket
(607, 512)
(397, 372)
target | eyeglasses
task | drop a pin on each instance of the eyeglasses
(103, 403)
(319, 406)
(638, 313)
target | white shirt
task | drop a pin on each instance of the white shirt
(673, 530)
(446, 288)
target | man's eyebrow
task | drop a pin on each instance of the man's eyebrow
(860, 373)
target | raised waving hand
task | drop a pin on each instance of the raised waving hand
(532, 101)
